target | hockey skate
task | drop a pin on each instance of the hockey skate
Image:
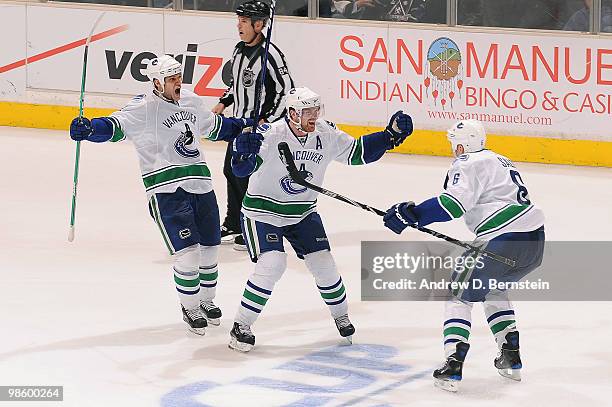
(227, 235)
(240, 244)
(195, 319)
(241, 338)
(508, 360)
(448, 376)
(212, 313)
(345, 327)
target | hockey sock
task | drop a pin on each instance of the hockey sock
(269, 268)
(322, 266)
(500, 316)
(457, 324)
(187, 277)
(208, 272)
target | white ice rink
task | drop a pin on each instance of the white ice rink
(100, 316)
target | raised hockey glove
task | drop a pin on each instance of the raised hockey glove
(399, 127)
(400, 216)
(80, 129)
(247, 144)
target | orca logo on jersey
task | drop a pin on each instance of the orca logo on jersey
(291, 187)
(181, 145)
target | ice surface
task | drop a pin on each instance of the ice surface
(100, 316)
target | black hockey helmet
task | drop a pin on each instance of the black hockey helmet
(254, 9)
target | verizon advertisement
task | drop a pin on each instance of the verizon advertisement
(539, 85)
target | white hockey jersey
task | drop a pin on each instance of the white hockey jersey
(167, 139)
(272, 197)
(487, 189)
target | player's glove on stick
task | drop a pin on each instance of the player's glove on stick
(80, 129)
(400, 216)
(247, 144)
(399, 127)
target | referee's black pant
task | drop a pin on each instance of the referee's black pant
(236, 188)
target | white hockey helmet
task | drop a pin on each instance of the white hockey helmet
(162, 67)
(468, 133)
(299, 99)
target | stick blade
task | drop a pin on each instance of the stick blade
(71, 234)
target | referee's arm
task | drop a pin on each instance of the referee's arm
(228, 97)
(277, 84)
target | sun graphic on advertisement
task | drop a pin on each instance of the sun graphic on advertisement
(444, 71)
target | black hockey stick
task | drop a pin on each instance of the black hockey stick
(287, 158)
(264, 66)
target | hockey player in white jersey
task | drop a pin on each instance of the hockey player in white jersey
(165, 126)
(275, 208)
(488, 191)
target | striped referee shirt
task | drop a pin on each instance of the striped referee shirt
(246, 70)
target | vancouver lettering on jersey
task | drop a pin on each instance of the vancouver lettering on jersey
(307, 155)
(179, 117)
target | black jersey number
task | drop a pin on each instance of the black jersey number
(522, 196)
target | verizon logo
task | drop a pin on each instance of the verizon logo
(117, 66)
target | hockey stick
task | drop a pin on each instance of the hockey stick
(287, 158)
(78, 145)
(264, 66)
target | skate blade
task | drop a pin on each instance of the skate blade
(214, 321)
(512, 374)
(197, 331)
(240, 248)
(239, 346)
(446, 384)
(349, 340)
(228, 239)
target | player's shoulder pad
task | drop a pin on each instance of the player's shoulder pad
(462, 161)
(135, 102)
(331, 124)
(325, 126)
(187, 94)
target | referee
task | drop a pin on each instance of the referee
(246, 70)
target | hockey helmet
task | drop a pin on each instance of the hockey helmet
(254, 9)
(300, 99)
(468, 133)
(162, 67)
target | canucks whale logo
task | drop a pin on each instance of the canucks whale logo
(185, 145)
(290, 187)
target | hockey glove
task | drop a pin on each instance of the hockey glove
(80, 129)
(247, 144)
(399, 127)
(400, 216)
